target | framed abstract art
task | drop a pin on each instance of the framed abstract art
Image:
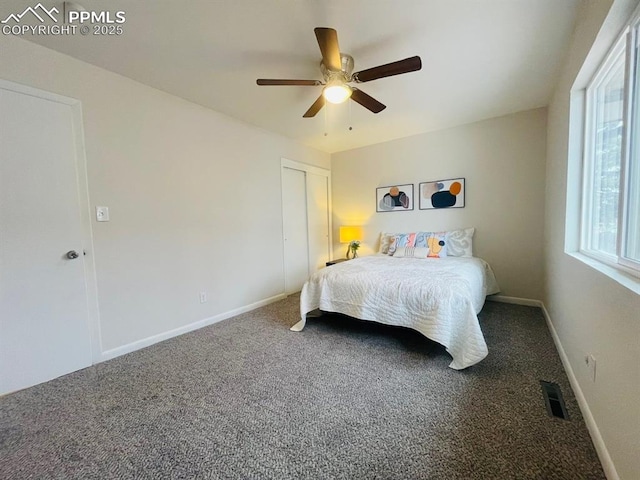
(394, 198)
(442, 194)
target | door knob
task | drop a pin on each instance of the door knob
(71, 254)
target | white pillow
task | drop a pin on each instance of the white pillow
(411, 252)
(460, 242)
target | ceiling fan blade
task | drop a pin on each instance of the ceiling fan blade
(271, 81)
(315, 108)
(407, 65)
(328, 43)
(367, 101)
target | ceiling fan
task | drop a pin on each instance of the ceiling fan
(337, 68)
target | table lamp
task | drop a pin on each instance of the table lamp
(350, 234)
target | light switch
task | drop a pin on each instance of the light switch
(102, 214)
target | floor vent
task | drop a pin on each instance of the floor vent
(553, 400)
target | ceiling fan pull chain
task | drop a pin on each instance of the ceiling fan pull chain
(326, 110)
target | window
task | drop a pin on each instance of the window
(611, 173)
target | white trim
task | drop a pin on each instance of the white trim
(515, 300)
(625, 277)
(627, 153)
(91, 283)
(575, 171)
(285, 162)
(36, 92)
(601, 449)
(145, 342)
(91, 280)
(632, 119)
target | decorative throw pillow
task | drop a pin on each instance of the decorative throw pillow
(412, 252)
(402, 240)
(385, 241)
(460, 242)
(421, 239)
(436, 247)
(437, 243)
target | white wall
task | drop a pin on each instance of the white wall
(591, 313)
(502, 160)
(194, 197)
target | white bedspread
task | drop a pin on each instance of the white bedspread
(439, 298)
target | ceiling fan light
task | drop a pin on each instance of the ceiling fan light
(337, 93)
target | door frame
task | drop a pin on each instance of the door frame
(293, 165)
(82, 182)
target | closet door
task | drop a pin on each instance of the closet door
(306, 228)
(318, 220)
(296, 241)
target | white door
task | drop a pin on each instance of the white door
(44, 327)
(296, 240)
(305, 211)
(318, 220)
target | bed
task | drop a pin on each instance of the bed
(438, 297)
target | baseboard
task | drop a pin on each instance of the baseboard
(515, 300)
(145, 342)
(601, 449)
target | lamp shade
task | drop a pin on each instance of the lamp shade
(350, 233)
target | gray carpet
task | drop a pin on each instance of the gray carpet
(247, 398)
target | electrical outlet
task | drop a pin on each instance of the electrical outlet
(590, 361)
(203, 297)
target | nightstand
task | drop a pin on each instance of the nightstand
(333, 262)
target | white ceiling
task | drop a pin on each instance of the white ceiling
(481, 58)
